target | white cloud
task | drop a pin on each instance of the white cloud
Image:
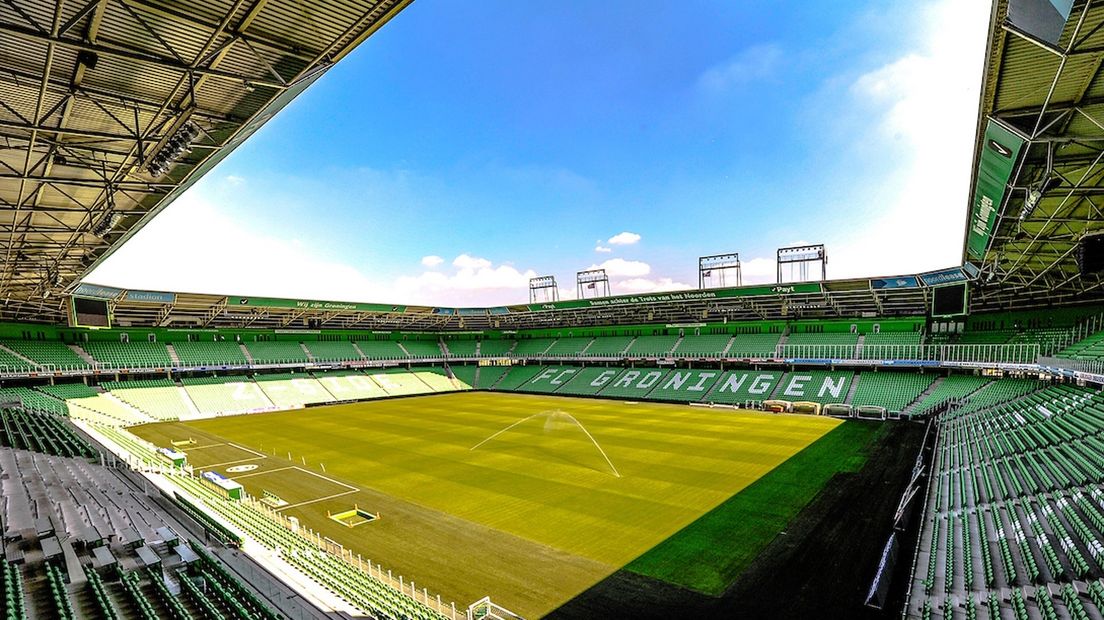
(647, 285)
(754, 63)
(922, 107)
(624, 238)
(252, 263)
(235, 180)
(601, 249)
(621, 268)
(475, 281)
(432, 261)
(465, 261)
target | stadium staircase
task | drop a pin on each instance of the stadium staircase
(405, 352)
(30, 363)
(854, 382)
(83, 355)
(920, 398)
(306, 351)
(359, 352)
(728, 346)
(782, 340)
(675, 346)
(172, 354)
(245, 352)
(858, 354)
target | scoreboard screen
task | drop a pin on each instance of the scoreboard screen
(949, 300)
(85, 312)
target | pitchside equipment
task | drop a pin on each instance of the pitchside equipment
(557, 426)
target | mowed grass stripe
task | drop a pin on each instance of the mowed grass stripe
(554, 491)
(710, 553)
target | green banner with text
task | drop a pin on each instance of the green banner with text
(999, 151)
(306, 304)
(697, 295)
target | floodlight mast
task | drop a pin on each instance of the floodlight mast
(798, 258)
(720, 271)
(543, 289)
(592, 283)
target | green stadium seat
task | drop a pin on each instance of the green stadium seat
(276, 352)
(113, 354)
(193, 354)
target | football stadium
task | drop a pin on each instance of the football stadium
(918, 445)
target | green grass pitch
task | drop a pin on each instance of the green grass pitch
(536, 515)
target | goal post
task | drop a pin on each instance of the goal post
(485, 609)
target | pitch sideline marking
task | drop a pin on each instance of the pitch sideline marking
(253, 458)
(247, 449)
(326, 478)
(320, 499)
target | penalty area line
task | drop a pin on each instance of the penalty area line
(320, 499)
(247, 449)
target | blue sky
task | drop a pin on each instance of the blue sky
(468, 146)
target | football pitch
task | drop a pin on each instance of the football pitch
(561, 492)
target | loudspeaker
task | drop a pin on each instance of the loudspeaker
(1090, 254)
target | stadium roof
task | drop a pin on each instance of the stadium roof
(95, 93)
(1049, 97)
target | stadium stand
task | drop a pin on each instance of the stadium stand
(349, 385)
(530, 347)
(488, 376)
(710, 345)
(609, 346)
(129, 354)
(223, 395)
(11, 362)
(422, 349)
(399, 382)
(48, 353)
(685, 385)
(465, 374)
(830, 344)
(65, 391)
(1015, 506)
(381, 350)
(289, 390)
(892, 345)
(1090, 348)
(549, 379)
(652, 346)
(33, 400)
(161, 399)
(106, 409)
(588, 381)
(816, 386)
(634, 383)
(890, 389)
(954, 387)
(41, 432)
(209, 353)
(572, 347)
(754, 345)
(272, 352)
(333, 351)
(739, 386)
(461, 348)
(436, 377)
(496, 348)
(514, 377)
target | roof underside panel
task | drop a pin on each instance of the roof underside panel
(90, 93)
(1053, 96)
